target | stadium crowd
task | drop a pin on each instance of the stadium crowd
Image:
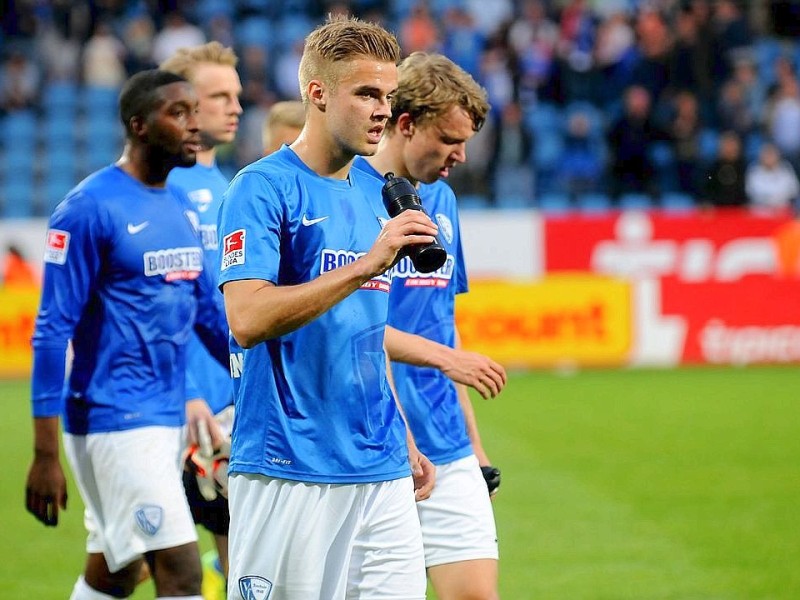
(594, 103)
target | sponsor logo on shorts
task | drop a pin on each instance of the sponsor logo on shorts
(174, 263)
(148, 518)
(56, 247)
(253, 587)
(233, 249)
(333, 259)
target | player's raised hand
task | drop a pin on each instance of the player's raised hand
(46, 489)
(477, 371)
(406, 229)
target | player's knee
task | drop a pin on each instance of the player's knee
(177, 571)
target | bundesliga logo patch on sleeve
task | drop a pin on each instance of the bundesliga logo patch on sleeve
(56, 247)
(233, 249)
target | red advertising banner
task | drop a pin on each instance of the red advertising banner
(754, 320)
(720, 245)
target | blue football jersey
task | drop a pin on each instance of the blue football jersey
(314, 404)
(124, 280)
(204, 187)
(424, 304)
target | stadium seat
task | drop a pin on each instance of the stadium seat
(17, 199)
(57, 130)
(594, 203)
(60, 97)
(595, 117)
(752, 146)
(554, 203)
(19, 127)
(633, 201)
(547, 150)
(55, 188)
(544, 118)
(709, 144)
(98, 99)
(677, 202)
(292, 29)
(103, 130)
(254, 31)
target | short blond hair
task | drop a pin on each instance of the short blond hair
(430, 84)
(343, 38)
(290, 113)
(184, 60)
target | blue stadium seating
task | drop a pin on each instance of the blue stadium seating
(19, 127)
(634, 201)
(709, 144)
(96, 99)
(554, 203)
(60, 97)
(677, 202)
(594, 203)
(17, 199)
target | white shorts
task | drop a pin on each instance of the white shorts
(131, 484)
(290, 540)
(457, 520)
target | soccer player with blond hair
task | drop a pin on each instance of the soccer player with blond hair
(323, 472)
(282, 125)
(438, 107)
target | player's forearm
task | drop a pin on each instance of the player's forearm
(258, 310)
(45, 437)
(416, 350)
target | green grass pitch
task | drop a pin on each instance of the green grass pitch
(680, 484)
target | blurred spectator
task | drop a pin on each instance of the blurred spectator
(495, 76)
(137, 36)
(253, 72)
(652, 70)
(734, 109)
(286, 68)
(725, 183)
(753, 89)
(732, 36)
(489, 17)
(104, 58)
(59, 55)
(418, 32)
(510, 171)
(685, 133)
(783, 120)
(771, 182)
(176, 33)
(461, 41)
(629, 139)
(615, 39)
(691, 57)
(580, 169)
(17, 271)
(533, 37)
(19, 82)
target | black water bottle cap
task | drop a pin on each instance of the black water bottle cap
(399, 195)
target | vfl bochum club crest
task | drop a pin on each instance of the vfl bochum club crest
(445, 227)
(148, 518)
(254, 587)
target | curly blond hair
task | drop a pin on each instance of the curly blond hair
(341, 39)
(430, 84)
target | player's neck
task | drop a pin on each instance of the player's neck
(207, 157)
(322, 155)
(389, 158)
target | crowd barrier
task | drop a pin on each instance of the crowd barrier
(570, 290)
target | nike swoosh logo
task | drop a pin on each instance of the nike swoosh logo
(134, 229)
(307, 221)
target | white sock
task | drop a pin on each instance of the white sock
(83, 591)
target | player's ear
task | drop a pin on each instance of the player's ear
(405, 125)
(317, 94)
(137, 125)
